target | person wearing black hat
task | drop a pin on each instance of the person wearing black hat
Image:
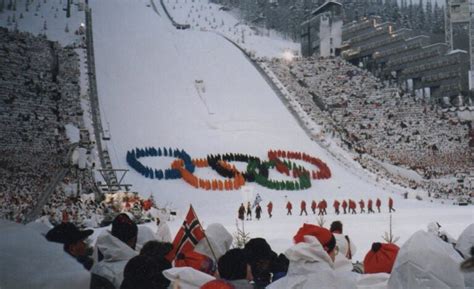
(74, 242)
(117, 247)
(266, 265)
(232, 267)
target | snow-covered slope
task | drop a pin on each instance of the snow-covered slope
(47, 17)
(146, 73)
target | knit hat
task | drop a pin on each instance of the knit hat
(195, 260)
(217, 284)
(380, 258)
(324, 236)
(123, 228)
(67, 233)
(258, 248)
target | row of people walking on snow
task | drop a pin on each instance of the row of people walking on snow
(348, 207)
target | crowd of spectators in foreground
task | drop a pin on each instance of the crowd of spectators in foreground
(383, 122)
(129, 256)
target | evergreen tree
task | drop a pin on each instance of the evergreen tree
(429, 16)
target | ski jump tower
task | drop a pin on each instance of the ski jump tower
(459, 30)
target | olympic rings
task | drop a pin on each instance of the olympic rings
(323, 173)
(257, 171)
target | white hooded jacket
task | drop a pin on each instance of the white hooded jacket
(311, 267)
(343, 245)
(219, 238)
(426, 261)
(163, 233)
(187, 277)
(116, 255)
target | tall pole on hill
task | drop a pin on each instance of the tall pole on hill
(68, 9)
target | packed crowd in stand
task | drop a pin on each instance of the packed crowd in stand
(375, 119)
(39, 95)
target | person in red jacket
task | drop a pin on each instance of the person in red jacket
(325, 206)
(289, 206)
(362, 206)
(369, 207)
(344, 206)
(390, 205)
(378, 203)
(270, 209)
(336, 206)
(314, 205)
(352, 207)
(303, 208)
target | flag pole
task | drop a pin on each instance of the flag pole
(205, 236)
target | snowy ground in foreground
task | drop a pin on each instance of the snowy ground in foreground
(146, 72)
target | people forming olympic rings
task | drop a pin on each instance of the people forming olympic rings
(256, 171)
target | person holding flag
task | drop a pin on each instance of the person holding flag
(188, 236)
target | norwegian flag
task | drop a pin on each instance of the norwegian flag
(188, 235)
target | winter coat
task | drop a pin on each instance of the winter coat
(187, 277)
(270, 207)
(303, 205)
(219, 238)
(258, 211)
(342, 244)
(352, 204)
(426, 261)
(145, 234)
(241, 212)
(344, 204)
(463, 245)
(372, 281)
(336, 204)
(466, 241)
(361, 204)
(241, 284)
(314, 205)
(378, 203)
(390, 202)
(116, 255)
(289, 206)
(311, 267)
(28, 260)
(163, 233)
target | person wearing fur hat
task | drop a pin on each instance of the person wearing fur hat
(312, 262)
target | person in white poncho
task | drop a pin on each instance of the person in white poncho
(116, 247)
(426, 261)
(312, 262)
